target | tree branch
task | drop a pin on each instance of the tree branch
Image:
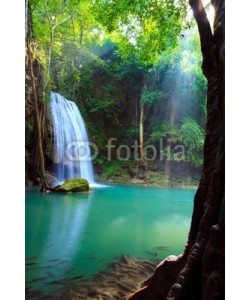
(47, 12)
(52, 32)
(206, 36)
(63, 21)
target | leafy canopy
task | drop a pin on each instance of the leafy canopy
(146, 27)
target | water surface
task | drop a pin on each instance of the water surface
(68, 235)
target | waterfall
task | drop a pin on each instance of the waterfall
(71, 152)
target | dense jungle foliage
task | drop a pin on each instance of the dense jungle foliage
(134, 70)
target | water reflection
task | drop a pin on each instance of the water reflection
(66, 224)
(59, 224)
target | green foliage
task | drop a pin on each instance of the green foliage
(111, 57)
(29, 133)
(164, 130)
(49, 147)
(57, 23)
(193, 137)
(73, 185)
(191, 134)
(149, 97)
(113, 168)
(105, 107)
(160, 129)
(131, 132)
(143, 27)
(30, 127)
(158, 178)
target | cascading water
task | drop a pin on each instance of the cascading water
(71, 152)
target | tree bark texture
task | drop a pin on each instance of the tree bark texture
(34, 107)
(37, 119)
(199, 273)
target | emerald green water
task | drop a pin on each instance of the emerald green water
(79, 234)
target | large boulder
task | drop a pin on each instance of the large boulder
(73, 185)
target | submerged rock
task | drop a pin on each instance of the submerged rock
(73, 185)
(121, 277)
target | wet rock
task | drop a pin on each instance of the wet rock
(50, 179)
(73, 185)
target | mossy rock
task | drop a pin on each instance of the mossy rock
(73, 185)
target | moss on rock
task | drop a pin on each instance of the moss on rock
(73, 185)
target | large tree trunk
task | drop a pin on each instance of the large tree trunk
(199, 272)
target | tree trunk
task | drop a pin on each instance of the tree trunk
(168, 163)
(141, 133)
(199, 272)
(142, 119)
(173, 112)
(167, 168)
(136, 121)
(37, 119)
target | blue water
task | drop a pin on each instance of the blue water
(79, 234)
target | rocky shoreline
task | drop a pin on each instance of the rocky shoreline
(146, 183)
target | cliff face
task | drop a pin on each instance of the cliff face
(200, 272)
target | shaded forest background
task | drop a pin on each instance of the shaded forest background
(152, 94)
